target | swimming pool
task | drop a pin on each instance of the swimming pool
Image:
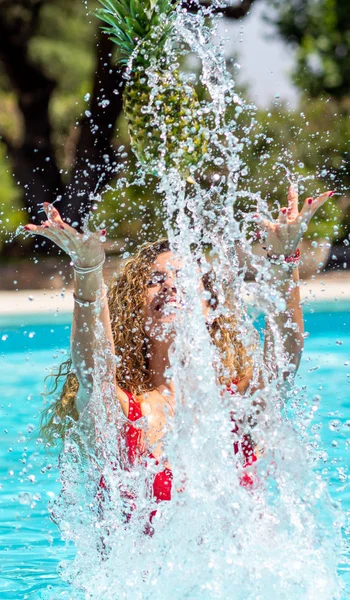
(30, 547)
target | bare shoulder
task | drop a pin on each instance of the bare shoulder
(145, 400)
(244, 382)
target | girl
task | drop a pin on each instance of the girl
(136, 313)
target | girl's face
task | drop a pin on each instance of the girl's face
(161, 298)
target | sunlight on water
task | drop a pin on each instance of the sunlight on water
(263, 531)
(276, 538)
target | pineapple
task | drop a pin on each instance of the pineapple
(164, 118)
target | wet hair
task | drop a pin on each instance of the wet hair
(126, 301)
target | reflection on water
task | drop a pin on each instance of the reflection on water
(27, 528)
(276, 538)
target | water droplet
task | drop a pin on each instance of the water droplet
(24, 498)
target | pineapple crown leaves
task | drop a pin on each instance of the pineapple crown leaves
(129, 22)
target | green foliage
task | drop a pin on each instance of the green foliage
(10, 207)
(65, 48)
(309, 145)
(314, 142)
(134, 213)
(320, 31)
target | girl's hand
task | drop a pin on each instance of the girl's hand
(285, 233)
(85, 249)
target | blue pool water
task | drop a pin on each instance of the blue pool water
(30, 547)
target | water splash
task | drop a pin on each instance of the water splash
(217, 538)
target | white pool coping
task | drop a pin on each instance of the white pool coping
(328, 287)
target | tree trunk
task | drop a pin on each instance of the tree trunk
(95, 159)
(33, 160)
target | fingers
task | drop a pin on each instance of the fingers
(44, 230)
(311, 205)
(307, 210)
(100, 233)
(323, 198)
(55, 219)
(264, 223)
(283, 216)
(53, 216)
(293, 198)
(52, 213)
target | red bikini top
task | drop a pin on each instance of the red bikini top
(133, 434)
(162, 482)
(163, 479)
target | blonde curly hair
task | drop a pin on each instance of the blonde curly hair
(126, 301)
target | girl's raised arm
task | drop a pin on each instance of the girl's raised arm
(282, 238)
(91, 329)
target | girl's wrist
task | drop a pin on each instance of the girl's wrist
(284, 264)
(291, 259)
(87, 267)
(96, 302)
(88, 286)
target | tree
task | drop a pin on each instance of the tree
(320, 32)
(27, 37)
(51, 55)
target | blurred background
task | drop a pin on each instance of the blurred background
(63, 133)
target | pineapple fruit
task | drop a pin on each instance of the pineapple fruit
(164, 117)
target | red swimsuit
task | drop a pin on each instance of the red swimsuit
(162, 482)
(163, 479)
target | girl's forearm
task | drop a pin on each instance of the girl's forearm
(90, 310)
(290, 320)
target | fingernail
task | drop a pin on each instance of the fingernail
(331, 193)
(27, 227)
(61, 226)
(284, 210)
(104, 231)
(310, 200)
